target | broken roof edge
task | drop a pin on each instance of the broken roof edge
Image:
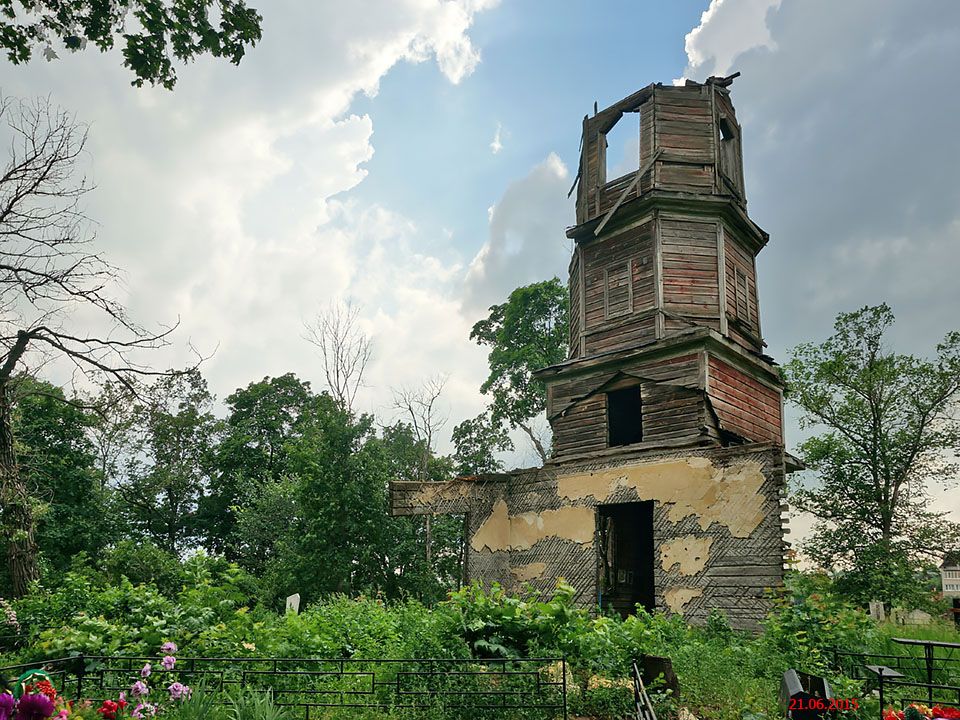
(676, 200)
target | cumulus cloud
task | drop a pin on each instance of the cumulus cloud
(496, 145)
(845, 138)
(526, 241)
(727, 28)
(223, 199)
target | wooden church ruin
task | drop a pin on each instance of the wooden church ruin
(666, 481)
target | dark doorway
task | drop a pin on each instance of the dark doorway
(624, 416)
(625, 540)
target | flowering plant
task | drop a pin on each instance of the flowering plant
(140, 689)
(937, 711)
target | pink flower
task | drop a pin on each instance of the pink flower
(139, 689)
(179, 691)
(145, 672)
(168, 662)
(168, 648)
(144, 710)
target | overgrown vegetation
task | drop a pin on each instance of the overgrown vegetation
(206, 612)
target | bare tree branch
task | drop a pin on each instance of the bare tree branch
(344, 349)
(47, 271)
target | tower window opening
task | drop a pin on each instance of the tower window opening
(622, 147)
(624, 418)
(730, 153)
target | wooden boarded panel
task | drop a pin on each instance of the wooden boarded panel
(741, 290)
(690, 274)
(636, 331)
(605, 262)
(583, 428)
(744, 405)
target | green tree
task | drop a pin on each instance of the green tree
(333, 544)
(154, 32)
(171, 467)
(411, 570)
(59, 466)
(47, 272)
(890, 433)
(264, 419)
(477, 442)
(524, 334)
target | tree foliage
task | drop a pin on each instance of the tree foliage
(264, 419)
(172, 461)
(891, 427)
(477, 442)
(47, 271)
(154, 33)
(524, 334)
(76, 513)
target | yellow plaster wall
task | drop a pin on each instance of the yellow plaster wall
(690, 552)
(688, 486)
(677, 597)
(531, 571)
(502, 531)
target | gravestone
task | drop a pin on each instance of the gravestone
(876, 611)
(293, 603)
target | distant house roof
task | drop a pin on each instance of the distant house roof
(951, 559)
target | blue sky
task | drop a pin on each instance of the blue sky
(350, 156)
(544, 64)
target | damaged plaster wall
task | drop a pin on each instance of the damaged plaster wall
(691, 486)
(716, 524)
(716, 527)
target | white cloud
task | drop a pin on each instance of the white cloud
(727, 28)
(526, 242)
(221, 199)
(496, 145)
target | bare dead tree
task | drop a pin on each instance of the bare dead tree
(420, 406)
(47, 271)
(344, 348)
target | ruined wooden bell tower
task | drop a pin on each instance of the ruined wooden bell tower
(665, 483)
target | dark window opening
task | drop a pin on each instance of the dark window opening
(624, 420)
(625, 547)
(730, 153)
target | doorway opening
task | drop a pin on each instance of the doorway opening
(625, 546)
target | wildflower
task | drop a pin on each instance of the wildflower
(34, 707)
(146, 670)
(168, 648)
(143, 711)
(6, 706)
(168, 662)
(178, 691)
(108, 711)
(139, 689)
(62, 715)
(10, 615)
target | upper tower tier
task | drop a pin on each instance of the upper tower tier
(668, 246)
